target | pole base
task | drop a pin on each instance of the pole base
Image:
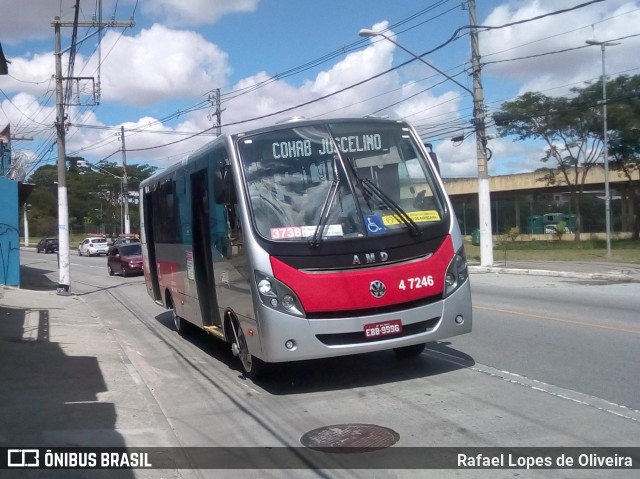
(63, 290)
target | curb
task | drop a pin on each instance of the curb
(559, 274)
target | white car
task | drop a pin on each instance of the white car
(551, 230)
(93, 246)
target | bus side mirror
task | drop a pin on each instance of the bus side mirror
(433, 156)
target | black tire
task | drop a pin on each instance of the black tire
(124, 272)
(410, 351)
(252, 367)
(182, 325)
(110, 270)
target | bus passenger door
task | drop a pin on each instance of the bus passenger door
(232, 269)
(202, 257)
(150, 245)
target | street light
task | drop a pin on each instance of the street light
(607, 195)
(484, 199)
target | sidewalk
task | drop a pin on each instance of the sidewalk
(602, 271)
(64, 378)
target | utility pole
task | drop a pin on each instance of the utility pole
(605, 140)
(484, 197)
(25, 221)
(64, 281)
(218, 112)
(125, 190)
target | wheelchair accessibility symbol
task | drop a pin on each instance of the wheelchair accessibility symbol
(374, 224)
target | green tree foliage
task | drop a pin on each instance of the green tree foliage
(94, 195)
(513, 233)
(573, 134)
(623, 131)
(560, 229)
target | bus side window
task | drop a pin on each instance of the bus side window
(230, 200)
(223, 185)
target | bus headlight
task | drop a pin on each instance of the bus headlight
(265, 288)
(457, 273)
(277, 295)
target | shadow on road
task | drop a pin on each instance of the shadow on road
(345, 372)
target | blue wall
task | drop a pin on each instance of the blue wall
(9, 233)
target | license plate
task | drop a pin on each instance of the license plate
(383, 328)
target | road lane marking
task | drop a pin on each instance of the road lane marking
(559, 392)
(559, 320)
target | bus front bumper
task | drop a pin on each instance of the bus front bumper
(290, 338)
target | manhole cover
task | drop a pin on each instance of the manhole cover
(359, 436)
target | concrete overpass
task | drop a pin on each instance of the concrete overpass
(515, 198)
(530, 182)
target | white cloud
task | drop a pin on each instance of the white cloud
(31, 19)
(159, 64)
(26, 115)
(556, 74)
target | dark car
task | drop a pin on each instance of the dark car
(124, 239)
(47, 245)
(125, 259)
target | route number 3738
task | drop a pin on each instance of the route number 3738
(416, 283)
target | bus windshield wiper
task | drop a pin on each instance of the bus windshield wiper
(371, 188)
(326, 207)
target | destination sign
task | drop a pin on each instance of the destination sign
(346, 144)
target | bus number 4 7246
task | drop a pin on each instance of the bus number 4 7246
(416, 283)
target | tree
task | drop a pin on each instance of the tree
(623, 122)
(559, 230)
(567, 127)
(94, 195)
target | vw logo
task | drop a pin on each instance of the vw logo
(377, 289)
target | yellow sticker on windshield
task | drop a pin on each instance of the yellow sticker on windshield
(417, 216)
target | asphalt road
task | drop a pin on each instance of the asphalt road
(581, 335)
(549, 364)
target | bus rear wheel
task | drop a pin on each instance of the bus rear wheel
(252, 367)
(410, 351)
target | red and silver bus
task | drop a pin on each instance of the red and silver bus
(308, 239)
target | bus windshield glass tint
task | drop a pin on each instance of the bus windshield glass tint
(347, 179)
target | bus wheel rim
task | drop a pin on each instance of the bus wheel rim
(243, 353)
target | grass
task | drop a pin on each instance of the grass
(622, 251)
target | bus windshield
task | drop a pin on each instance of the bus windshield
(329, 181)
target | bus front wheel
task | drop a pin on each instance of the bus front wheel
(252, 367)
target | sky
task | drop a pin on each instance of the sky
(274, 59)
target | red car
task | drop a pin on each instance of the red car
(125, 259)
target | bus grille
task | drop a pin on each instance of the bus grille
(342, 339)
(392, 308)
